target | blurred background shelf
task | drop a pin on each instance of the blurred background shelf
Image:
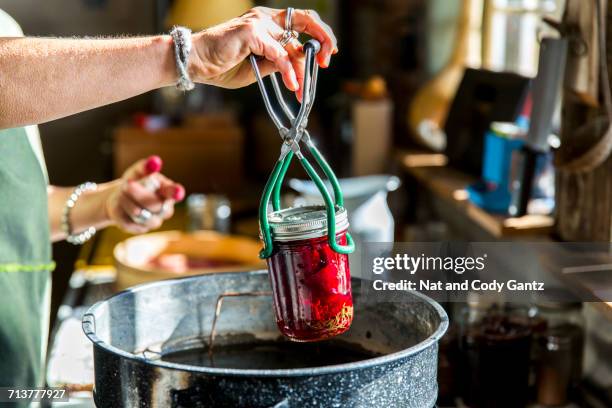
(431, 171)
(446, 187)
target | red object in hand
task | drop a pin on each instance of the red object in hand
(311, 284)
(153, 164)
(179, 193)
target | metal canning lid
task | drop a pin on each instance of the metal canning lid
(507, 129)
(293, 224)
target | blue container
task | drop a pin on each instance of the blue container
(493, 192)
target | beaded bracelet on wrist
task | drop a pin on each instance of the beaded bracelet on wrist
(84, 236)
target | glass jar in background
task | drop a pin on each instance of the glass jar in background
(561, 346)
(496, 355)
(311, 283)
(555, 367)
(209, 212)
(558, 313)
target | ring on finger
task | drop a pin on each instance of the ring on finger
(150, 183)
(289, 19)
(165, 209)
(287, 37)
(143, 217)
(289, 34)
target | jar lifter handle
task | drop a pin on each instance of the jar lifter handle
(275, 181)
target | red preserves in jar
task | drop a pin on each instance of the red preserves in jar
(311, 283)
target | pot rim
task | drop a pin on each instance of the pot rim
(88, 325)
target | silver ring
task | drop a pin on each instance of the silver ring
(165, 208)
(289, 34)
(287, 37)
(143, 216)
(150, 183)
(289, 19)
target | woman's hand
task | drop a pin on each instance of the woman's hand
(143, 190)
(220, 53)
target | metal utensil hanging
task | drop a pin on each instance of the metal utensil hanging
(292, 136)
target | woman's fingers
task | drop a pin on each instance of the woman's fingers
(265, 67)
(143, 196)
(170, 190)
(125, 222)
(152, 191)
(296, 54)
(134, 210)
(221, 51)
(273, 51)
(142, 168)
(144, 192)
(309, 22)
(159, 201)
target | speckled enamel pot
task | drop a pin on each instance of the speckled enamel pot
(130, 329)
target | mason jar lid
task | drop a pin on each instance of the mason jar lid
(294, 224)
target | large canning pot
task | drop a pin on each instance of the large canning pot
(151, 349)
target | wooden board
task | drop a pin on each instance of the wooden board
(204, 159)
(584, 201)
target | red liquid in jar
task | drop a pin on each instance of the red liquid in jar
(311, 285)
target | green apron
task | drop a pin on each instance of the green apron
(25, 262)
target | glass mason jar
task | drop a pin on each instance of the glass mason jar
(496, 348)
(563, 339)
(555, 367)
(311, 283)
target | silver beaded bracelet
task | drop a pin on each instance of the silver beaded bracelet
(81, 237)
(182, 48)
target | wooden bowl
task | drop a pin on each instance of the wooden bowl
(135, 257)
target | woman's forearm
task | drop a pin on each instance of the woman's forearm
(43, 79)
(90, 209)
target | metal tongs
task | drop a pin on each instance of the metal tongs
(292, 136)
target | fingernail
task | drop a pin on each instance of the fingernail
(327, 61)
(295, 83)
(154, 164)
(179, 193)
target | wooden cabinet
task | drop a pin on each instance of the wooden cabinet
(205, 155)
